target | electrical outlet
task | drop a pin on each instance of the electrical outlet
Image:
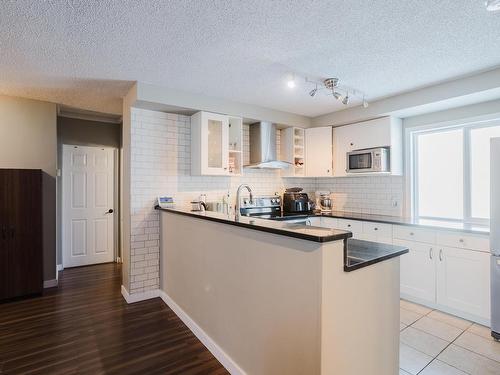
(394, 202)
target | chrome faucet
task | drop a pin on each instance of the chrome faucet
(238, 203)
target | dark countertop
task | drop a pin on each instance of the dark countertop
(424, 223)
(359, 253)
(304, 232)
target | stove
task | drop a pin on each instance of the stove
(269, 207)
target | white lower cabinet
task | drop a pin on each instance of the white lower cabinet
(315, 221)
(454, 278)
(418, 271)
(463, 280)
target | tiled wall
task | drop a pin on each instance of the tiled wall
(371, 195)
(160, 165)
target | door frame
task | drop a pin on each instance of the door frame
(116, 199)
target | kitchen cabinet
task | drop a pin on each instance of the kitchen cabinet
(318, 152)
(329, 222)
(463, 280)
(315, 221)
(382, 132)
(447, 270)
(377, 232)
(354, 226)
(216, 144)
(418, 271)
(292, 150)
(21, 248)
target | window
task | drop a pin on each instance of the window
(451, 172)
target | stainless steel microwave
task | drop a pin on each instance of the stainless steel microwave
(368, 160)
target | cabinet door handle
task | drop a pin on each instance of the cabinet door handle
(461, 240)
(440, 255)
(375, 228)
(430, 253)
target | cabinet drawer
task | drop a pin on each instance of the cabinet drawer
(378, 229)
(329, 222)
(314, 221)
(464, 241)
(356, 227)
(414, 234)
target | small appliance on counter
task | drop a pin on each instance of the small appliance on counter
(295, 201)
(324, 201)
(166, 202)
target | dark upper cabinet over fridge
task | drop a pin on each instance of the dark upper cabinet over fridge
(21, 252)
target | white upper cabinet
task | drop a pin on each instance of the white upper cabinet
(215, 144)
(382, 132)
(318, 152)
(292, 150)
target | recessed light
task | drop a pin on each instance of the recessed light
(492, 5)
(291, 81)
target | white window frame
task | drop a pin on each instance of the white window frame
(411, 142)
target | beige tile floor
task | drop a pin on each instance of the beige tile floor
(435, 343)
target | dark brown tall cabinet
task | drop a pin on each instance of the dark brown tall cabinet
(21, 247)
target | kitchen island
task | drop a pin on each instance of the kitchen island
(275, 298)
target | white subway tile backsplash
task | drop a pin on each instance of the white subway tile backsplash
(161, 164)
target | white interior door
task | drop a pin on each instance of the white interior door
(87, 215)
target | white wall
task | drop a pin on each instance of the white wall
(368, 195)
(28, 140)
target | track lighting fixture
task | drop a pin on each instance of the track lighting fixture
(341, 93)
(346, 99)
(337, 95)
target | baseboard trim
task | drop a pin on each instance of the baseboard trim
(137, 297)
(50, 283)
(210, 344)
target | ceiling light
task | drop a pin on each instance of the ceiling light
(345, 101)
(337, 95)
(331, 83)
(331, 86)
(492, 5)
(291, 81)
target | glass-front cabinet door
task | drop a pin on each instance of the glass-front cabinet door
(215, 143)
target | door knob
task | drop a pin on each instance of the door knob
(110, 211)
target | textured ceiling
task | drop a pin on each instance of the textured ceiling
(87, 53)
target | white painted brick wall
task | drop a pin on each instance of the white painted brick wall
(161, 165)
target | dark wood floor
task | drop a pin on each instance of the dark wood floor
(85, 327)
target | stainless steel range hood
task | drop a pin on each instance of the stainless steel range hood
(263, 147)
